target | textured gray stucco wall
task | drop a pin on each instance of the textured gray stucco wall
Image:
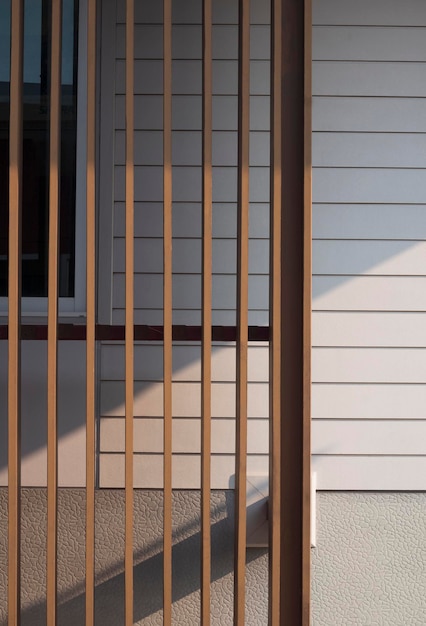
(369, 566)
(148, 561)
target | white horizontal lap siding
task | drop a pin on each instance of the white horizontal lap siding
(148, 423)
(369, 329)
(187, 243)
(369, 244)
(71, 414)
(187, 103)
(368, 13)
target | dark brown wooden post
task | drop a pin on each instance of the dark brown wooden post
(296, 312)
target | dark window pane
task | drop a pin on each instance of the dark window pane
(36, 146)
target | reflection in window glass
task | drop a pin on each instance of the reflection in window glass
(36, 146)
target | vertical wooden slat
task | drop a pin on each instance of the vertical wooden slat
(307, 312)
(296, 306)
(206, 345)
(129, 321)
(167, 309)
(275, 320)
(242, 309)
(52, 330)
(14, 319)
(91, 320)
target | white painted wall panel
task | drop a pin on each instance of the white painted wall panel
(187, 221)
(259, 149)
(259, 112)
(225, 41)
(369, 185)
(225, 112)
(148, 41)
(186, 112)
(390, 150)
(148, 470)
(71, 413)
(376, 258)
(260, 35)
(186, 76)
(148, 112)
(148, 77)
(369, 329)
(191, 317)
(260, 78)
(368, 401)
(186, 399)
(260, 12)
(374, 437)
(369, 293)
(148, 399)
(366, 43)
(369, 224)
(149, 12)
(358, 114)
(186, 439)
(148, 184)
(352, 78)
(226, 11)
(225, 148)
(187, 184)
(259, 184)
(186, 362)
(148, 148)
(148, 291)
(186, 148)
(187, 41)
(148, 254)
(369, 365)
(225, 77)
(147, 432)
(224, 184)
(187, 12)
(187, 255)
(365, 12)
(369, 221)
(370, 473)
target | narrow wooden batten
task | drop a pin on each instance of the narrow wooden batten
(206, 345)
(167, 310)
(242, 310)
(275, 320)
(52, 311)
(14, 316)
(129, 316)
(91, 312)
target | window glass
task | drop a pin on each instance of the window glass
(36, 119)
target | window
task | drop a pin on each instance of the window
(36, 120)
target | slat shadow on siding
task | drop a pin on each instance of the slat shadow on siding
(369, 229)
